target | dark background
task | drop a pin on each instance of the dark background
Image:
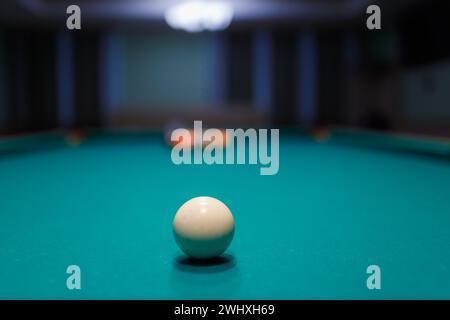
(280, 63)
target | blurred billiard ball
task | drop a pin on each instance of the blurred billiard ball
(321, 134)
(74, 137)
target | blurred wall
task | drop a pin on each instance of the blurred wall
(164, 70)
(154, 76)
(426, 91)
(397, 85)
(3, 99)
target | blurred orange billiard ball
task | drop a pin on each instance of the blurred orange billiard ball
(188, 140)
(185, 140)
(321, 134)
(74, 137)
(224, 143)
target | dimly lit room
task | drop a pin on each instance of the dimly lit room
(224, 149)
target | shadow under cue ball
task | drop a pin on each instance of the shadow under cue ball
(203, 227)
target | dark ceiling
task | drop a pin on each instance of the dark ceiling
(29, 12)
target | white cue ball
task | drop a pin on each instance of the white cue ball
(203, 227)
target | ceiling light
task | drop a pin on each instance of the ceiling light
(196, 16)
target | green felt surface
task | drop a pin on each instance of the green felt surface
(308, 232)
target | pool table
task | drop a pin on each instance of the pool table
(309, 232)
